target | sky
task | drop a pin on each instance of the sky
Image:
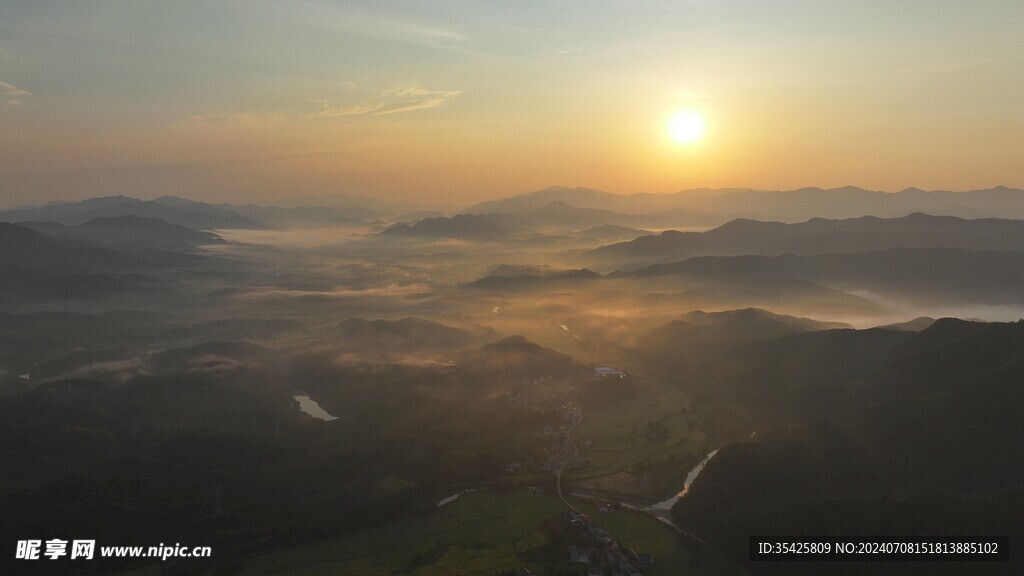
(460, 101)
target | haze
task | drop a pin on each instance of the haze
(493, 288)
(457, 102)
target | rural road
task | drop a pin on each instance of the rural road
(575, 450)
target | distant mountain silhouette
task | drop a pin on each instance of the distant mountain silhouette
(725, 288)
(36, 266)
(915, 325)
(508, 280)
(612, 232)
(510, 270)
(789, 206)
(586, 198)
(22, 246)
(563, 215)
(195, 215)
(947, 276)
(461, 226)
(394, 335)
(818, 236)
(304, 216)
(923, 274)
(558, 214)
(516, 357)
(133, 231)
(580, 197)
(703, 334)
(416, 215)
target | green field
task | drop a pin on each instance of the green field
(480, 533)
(493, 533)
(617, 431)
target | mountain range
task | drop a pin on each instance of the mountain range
(181, 212)
(399, 335)
(879, 432)
(815, 236)
(128, 231)
(558, 207)
(790, 206)
(922, 274)
(460, 226)
(36, 266)
(706, 334)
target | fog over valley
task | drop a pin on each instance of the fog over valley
(622, 288)
(287, 387)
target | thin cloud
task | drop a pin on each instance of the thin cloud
(413, 97)
(329, 110)
(409, 30)
(12, 90)
(363, 23)
(13, 94)
(394, 100)
(234, 118)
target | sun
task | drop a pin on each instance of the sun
(686, 127)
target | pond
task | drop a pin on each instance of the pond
(310, 406)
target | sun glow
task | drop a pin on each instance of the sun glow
(686, 127)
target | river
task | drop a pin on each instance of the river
(668, 503)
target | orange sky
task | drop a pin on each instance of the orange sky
(457, 102)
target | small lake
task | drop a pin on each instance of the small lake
(310, 406)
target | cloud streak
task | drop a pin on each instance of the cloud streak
(329, 110)
(250, 118)
(395, 100)
(370, 23)
(12, 94)
(413, 97)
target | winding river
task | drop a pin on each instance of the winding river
(668, 503)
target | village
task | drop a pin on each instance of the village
(591, 544)
(563, 453)
(602, 551)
